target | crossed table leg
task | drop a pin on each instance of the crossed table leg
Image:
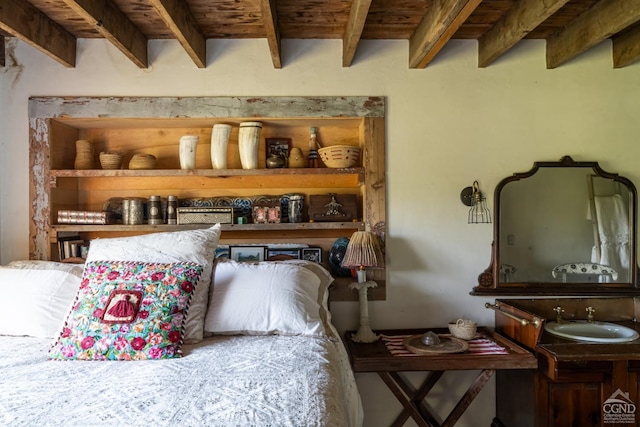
(412, 399)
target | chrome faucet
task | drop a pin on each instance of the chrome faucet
(559, 310)
(590, 310)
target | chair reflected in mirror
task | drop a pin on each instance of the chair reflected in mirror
(604, 273)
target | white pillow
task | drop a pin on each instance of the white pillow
(286, 298)
(192, 245)
(37, 296)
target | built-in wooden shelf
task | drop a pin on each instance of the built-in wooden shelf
(154, 126)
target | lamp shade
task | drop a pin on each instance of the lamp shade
(363, 251)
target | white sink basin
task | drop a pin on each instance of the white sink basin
(582, 330)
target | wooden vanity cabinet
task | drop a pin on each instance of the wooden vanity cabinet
(154, 126)
(573, 379)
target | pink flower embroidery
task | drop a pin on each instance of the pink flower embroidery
(68, 350)
(87, 343)
(155, 353)
(120, 343)
(157, 276)
(138, 343)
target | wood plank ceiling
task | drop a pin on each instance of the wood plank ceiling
(570, 27)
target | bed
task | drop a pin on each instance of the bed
(252, 344)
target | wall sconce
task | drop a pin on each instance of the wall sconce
(363, 252)
(479, 213)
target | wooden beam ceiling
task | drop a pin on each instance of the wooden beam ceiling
(23, 21)
(604, 19)
(522, 18)
(353, 32)
(569, 26)
(270, 18)
(626, 48)
(442, 20)
(114, 26)
(178, 17)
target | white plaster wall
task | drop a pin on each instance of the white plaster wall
(447, 125)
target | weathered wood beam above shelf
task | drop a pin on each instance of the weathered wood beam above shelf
(20, 19)
(440, 23)
(113, 25)
(270, 19)
(522, 18)
(353, 31)
(626, 48)
(203, 107)
(177, 16)
(602, 20)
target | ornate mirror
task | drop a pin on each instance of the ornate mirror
(563, 228)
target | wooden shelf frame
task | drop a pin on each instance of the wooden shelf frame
(154, 124)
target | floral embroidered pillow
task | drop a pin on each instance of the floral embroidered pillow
(128, 311)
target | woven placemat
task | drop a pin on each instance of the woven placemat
(480, 345)
(447, 344)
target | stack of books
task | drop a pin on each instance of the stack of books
(72, 247)
(85, 217)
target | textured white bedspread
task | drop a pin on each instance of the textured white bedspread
(223, 381)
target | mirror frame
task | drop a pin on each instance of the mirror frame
(489, 280)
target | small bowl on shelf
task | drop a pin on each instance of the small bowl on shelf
(339, 156)
(110, 160)
(142, 161)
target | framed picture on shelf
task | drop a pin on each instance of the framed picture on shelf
(278, 146)
(312, 254)
(279, 254)
(247, 253)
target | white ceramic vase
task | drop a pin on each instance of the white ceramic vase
(248, 143)
(219, 143)
(188, 147)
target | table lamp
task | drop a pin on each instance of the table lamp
(363, 252)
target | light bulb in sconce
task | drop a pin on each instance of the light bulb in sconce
(479, 212)
(363, 252)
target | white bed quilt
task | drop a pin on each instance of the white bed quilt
(222, 381)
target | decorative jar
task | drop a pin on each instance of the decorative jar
(188, 147)
(248, 143)
(219, 143)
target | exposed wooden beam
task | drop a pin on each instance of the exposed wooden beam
(602, 20)
(353, 32)
(20, 19)
(270, 19)
(522, 18)
(441, 21)
(177, 16)
(626, 48)
(114, 26)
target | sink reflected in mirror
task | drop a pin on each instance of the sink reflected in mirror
(601, 332)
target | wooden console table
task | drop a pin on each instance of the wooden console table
(376, 357)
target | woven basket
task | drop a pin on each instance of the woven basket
(339, 156)
(463, 329)
(84, 155)
(110, 160)
(142, 161)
